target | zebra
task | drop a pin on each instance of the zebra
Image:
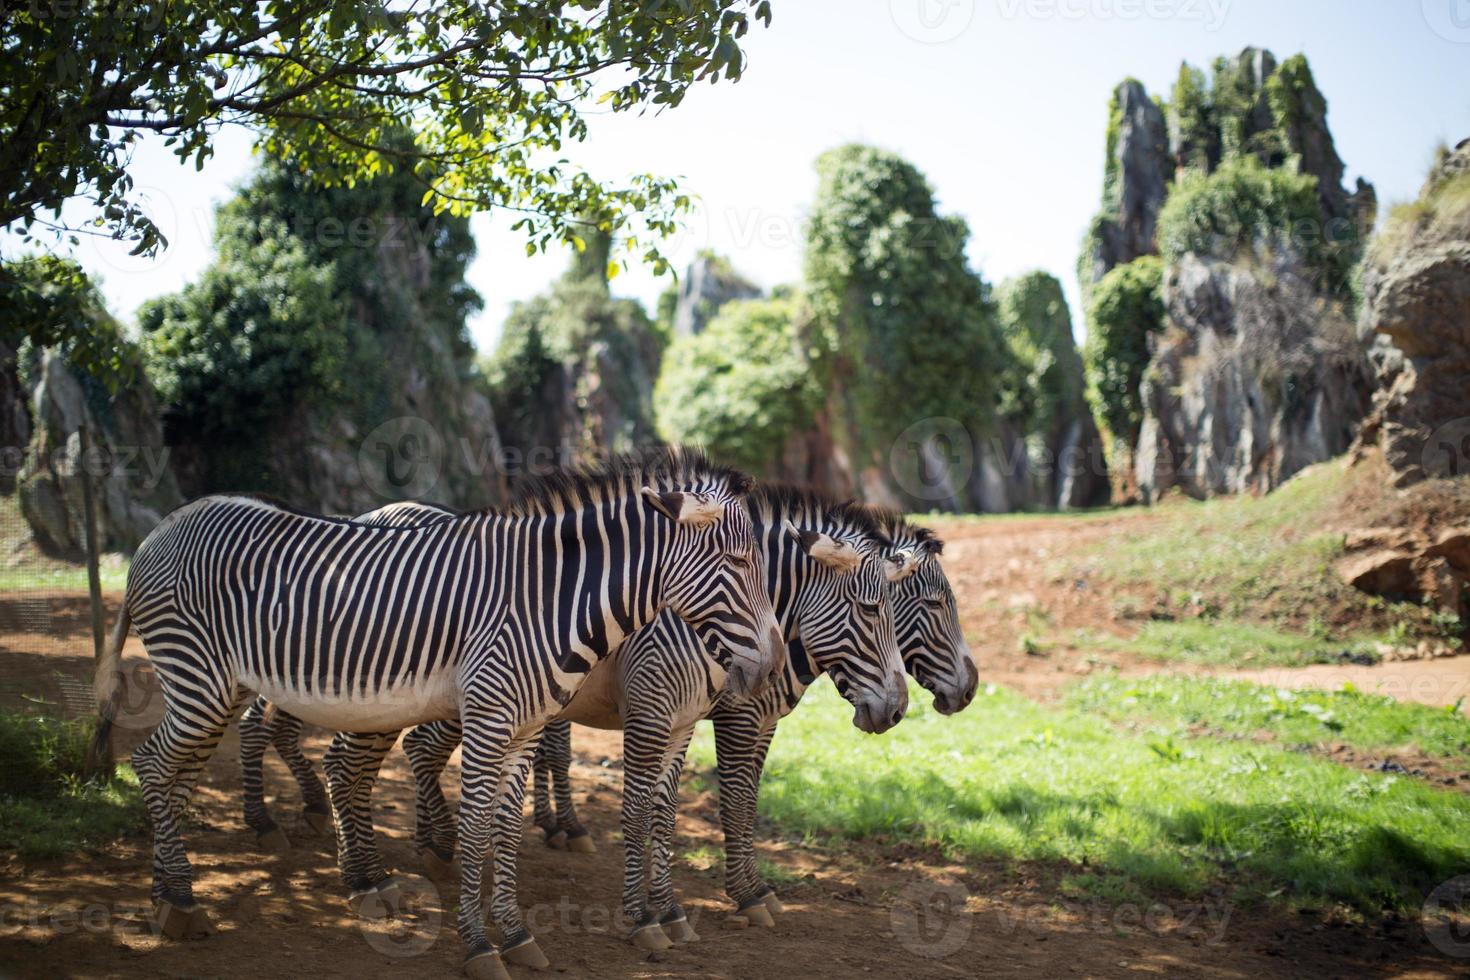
(934, 651)
(496, 617)
(828, 573)
(263, 724)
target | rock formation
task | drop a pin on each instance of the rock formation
(129, 465)
(1254, 372)
(708, 284)
(1416, 304)
(1257, 377)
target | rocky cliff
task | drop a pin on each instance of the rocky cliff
(1416, 308)
(574, 371)
(1252, 371)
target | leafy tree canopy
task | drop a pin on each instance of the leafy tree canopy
(915, 327)
(1044, 381)
(491, 92)
(750, 380)
(1124, 308)
(311, 291)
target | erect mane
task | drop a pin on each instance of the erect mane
(770, 502)
(896, 526)
(621, 474)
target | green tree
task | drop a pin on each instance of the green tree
(1124, 309)
(753, 378)
(1044, 384)
(311, 292)
(50, 302)
(490, 92)
(915, 329)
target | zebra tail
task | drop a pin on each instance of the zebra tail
(109, 688)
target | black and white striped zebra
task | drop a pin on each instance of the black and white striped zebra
(828, 573)
(495, 617)
(934, 651)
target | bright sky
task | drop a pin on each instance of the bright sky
(1002, 103)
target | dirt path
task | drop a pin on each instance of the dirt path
(863, 910)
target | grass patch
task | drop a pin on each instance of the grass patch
(1012, 779)
(1370, 722)
(46, 809)
(1264, 560)
(1227, 643)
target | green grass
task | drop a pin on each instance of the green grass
(1132, 814)
(46, 810)
(1228, 643)
(63, 577)
(1369, 722)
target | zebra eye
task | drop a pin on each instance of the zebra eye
(870, 609)
(934, 603)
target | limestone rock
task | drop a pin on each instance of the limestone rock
(1416, 292)
(130, 465)
(1381, 571)
(709, 283)
(1138, 175)
(1254, 378)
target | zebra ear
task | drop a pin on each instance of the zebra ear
(900, 565)
(686, 508)
(836, 555)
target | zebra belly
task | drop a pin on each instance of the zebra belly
(433, 699)
(598, 702)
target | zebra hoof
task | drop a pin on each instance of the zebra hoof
(320, 823)
(382, 901)
(485, 966)
(273, 840)
(436, 864)
(680, 931)
(581, 843)
(528, 954)
(180, 921)
(557, 840)
(757, 914)
(772, 903)
(651, 937)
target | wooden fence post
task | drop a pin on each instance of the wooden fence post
(104, 764)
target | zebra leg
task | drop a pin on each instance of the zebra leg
(742, 738)
(519, 946)
(286, 737)
(352, 765)
(666, 810)
(559, 759)
(645, 746)
(255, 735)
(542, 814)
(428, 748)
(167, 765)
(490, 751)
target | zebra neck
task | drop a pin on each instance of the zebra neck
(589, 577)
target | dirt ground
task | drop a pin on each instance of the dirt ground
(863, 910)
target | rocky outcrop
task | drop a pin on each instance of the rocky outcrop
(708, 284)
(1409, 565)
(129, 465)
(1256, 377)
(1416, 293)
(574, 374)
(1136, 181)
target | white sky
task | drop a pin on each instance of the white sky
(1001, 103)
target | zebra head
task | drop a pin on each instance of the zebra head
(834, 599)
(710, 577)
(926, 617)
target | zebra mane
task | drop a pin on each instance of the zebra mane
(622, 473)
(770, 502)
(896, 525)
